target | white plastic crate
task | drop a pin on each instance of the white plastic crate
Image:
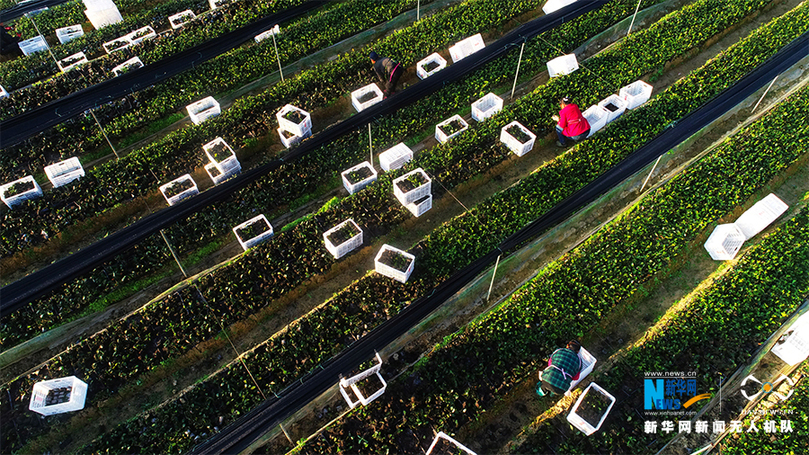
(597, 118)
(98, 5)
(203, 110)
(221, 155)
(350, 385)
(64, 172)
(725, 242)
(117, 44)
(443, 137)
(104, 17)
(177, 197)
(555, 5)
(33, 45)
(181, 18)
(760, 215)
(299, 129)
(217, 176)
(69, 393)
(256, 239)
(129, 65)
(513, 144)
(32, 193)
(487, 106)
(68, 33)
(216, 3)
(615, 102)
(269, 33)
(466, 47)
(289, 139)
(388, 271)
(560, 66)
(413, 195)
(353, 187)
(446, 437)
(434, 58)
(421, 206)
(395, 157)
(588, 362)
(340, 250)
(141, 34)
(72, 61)
(578, 422)
(635, 94)
(360, 93)
(793, 346)
(3, 92)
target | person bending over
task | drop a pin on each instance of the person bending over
(388, 71)
(570, 123)
(564, 367)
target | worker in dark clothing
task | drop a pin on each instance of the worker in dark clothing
(388, 71)
(564, 367)
(9, 44)
(571, 123)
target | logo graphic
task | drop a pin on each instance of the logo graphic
(767, 388)
(671, 393)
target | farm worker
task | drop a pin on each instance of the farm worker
(9, 42)
(388, 71)
(564, 366)
(570, 123)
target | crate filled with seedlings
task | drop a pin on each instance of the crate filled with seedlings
(203, 110)
(443, 443)
(486, 107)
(466, 47)
(64, 172)
(116, 44)
(591, 409)
(450, 128)
(358, 177)
(412, 186)
(615, 106)
(343, 238)
(289, 139)
(141, 34)
(517, 138)
(56, 396)
(20, 190)
(394, 263)
(69, 33)
(129, 65)
(181, 18)
(72, 61)
(635, 94)
(430, 65)
(597, 118)
(366, 97)
(33, 45)
(178, 189)
(253, 231)
(420, 206)
(560, 66)
(395, 157)
(268, 34)
(295, 120)
(217, 3)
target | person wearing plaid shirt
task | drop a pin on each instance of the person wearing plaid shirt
(564, 366)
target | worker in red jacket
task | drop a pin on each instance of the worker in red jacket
(388, 71)
(570, 123)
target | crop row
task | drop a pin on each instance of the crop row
(374, 208)
(275, 368)
(227, 72)
(572, 295)
(734, 316)
(139, 173)
(796, 409)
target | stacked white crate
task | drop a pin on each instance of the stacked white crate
(298, 131)
(68, 33)
(64, 172)
(227, 167)
(350, 385)
(418, 200)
